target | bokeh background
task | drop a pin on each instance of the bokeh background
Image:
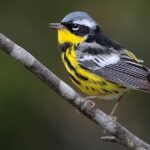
(33, 117)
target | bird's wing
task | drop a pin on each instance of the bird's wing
(121, 67)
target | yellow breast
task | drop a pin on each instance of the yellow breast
(65, 36)
(86, 81)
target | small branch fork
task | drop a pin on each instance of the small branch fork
(119, 134)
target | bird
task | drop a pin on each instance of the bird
(97, 65)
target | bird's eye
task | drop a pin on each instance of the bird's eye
(75, 27)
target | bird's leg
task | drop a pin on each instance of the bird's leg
(114, 109)
(116, 106)
(91, 97)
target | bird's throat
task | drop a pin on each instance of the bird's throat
(65, 36)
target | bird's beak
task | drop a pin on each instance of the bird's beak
(56, 26)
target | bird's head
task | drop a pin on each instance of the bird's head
(76, 27)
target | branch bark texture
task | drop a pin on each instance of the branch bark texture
(119, 133)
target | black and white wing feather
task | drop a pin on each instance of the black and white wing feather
(120, 67)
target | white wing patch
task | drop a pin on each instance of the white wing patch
(97, 62)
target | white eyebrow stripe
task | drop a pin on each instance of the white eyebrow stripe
(85, 22)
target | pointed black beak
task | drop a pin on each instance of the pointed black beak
(56, 26)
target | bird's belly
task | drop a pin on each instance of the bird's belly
(88, 82)
(98, 86)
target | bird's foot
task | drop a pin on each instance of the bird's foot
(114, 118)
(90, 103)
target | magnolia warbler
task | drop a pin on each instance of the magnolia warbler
(97, 65)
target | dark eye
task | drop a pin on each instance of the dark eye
(75, 27)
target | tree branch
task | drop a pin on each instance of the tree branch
(119, 133)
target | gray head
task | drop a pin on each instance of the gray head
(81, 18)
(78, 23)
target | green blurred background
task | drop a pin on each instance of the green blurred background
(33, 117)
